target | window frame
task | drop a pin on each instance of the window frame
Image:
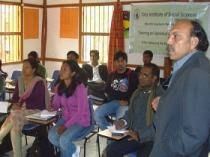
(96, 34)
(19, 34)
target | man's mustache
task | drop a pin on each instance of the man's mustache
(170, 48)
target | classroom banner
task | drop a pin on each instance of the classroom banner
(151, 23)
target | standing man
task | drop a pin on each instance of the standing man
(182, 119)
(119, 88)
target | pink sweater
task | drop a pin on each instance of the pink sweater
(75, 109)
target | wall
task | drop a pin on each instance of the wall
(28, 44)
(57, 47)
(39, 2)
(33, 44)
(55, 2)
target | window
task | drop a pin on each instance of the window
(10, 33)
(96, 23)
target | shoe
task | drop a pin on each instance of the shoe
(77, 152)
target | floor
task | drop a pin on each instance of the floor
(91, 147)
(91, 150)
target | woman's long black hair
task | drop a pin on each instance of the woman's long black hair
(77, 79)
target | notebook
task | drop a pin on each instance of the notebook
(42, 115)
(4, 106)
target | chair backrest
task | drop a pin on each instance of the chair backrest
(15, 75)
(89, 129)
(92, 120)
(88, 71)
(55, 77)
(103, 72)
(55, 74)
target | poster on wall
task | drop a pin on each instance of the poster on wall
(151, 23)
(126, 23)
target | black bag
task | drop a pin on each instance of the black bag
(41, 147)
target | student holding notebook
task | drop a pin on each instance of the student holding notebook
(29, 96)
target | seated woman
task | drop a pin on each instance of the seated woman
(29, 96)
(71, 97)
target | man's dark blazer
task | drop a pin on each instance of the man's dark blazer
(182, 120)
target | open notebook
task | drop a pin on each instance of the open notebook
(42, 115)
(4, 106)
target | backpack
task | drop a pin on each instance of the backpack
(41, 147)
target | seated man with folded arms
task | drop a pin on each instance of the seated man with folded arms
(97, 77)
(120, 85)
(99, 73)
(138, 119)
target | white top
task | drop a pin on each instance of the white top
(96, 76)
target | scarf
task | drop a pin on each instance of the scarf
(25, 93)
(149, 110)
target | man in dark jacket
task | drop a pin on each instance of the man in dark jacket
(182, 119)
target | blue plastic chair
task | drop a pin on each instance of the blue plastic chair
(15, 75)
(55, 77)
(30, 129)
(91, 130)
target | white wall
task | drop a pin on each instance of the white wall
(57, 47)
(51, 66)
(97, 1)
(12, 0)
(50, 2)
(39, 2)
(10, 68)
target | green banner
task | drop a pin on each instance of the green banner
(151, 23)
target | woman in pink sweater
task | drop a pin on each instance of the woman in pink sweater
(71, 98)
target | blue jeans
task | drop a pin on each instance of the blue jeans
(65, 141)
(107, 109)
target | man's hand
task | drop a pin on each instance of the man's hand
(123, 102)
(119, 124)
(133, 135)
(155, 103)
(61, 129)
